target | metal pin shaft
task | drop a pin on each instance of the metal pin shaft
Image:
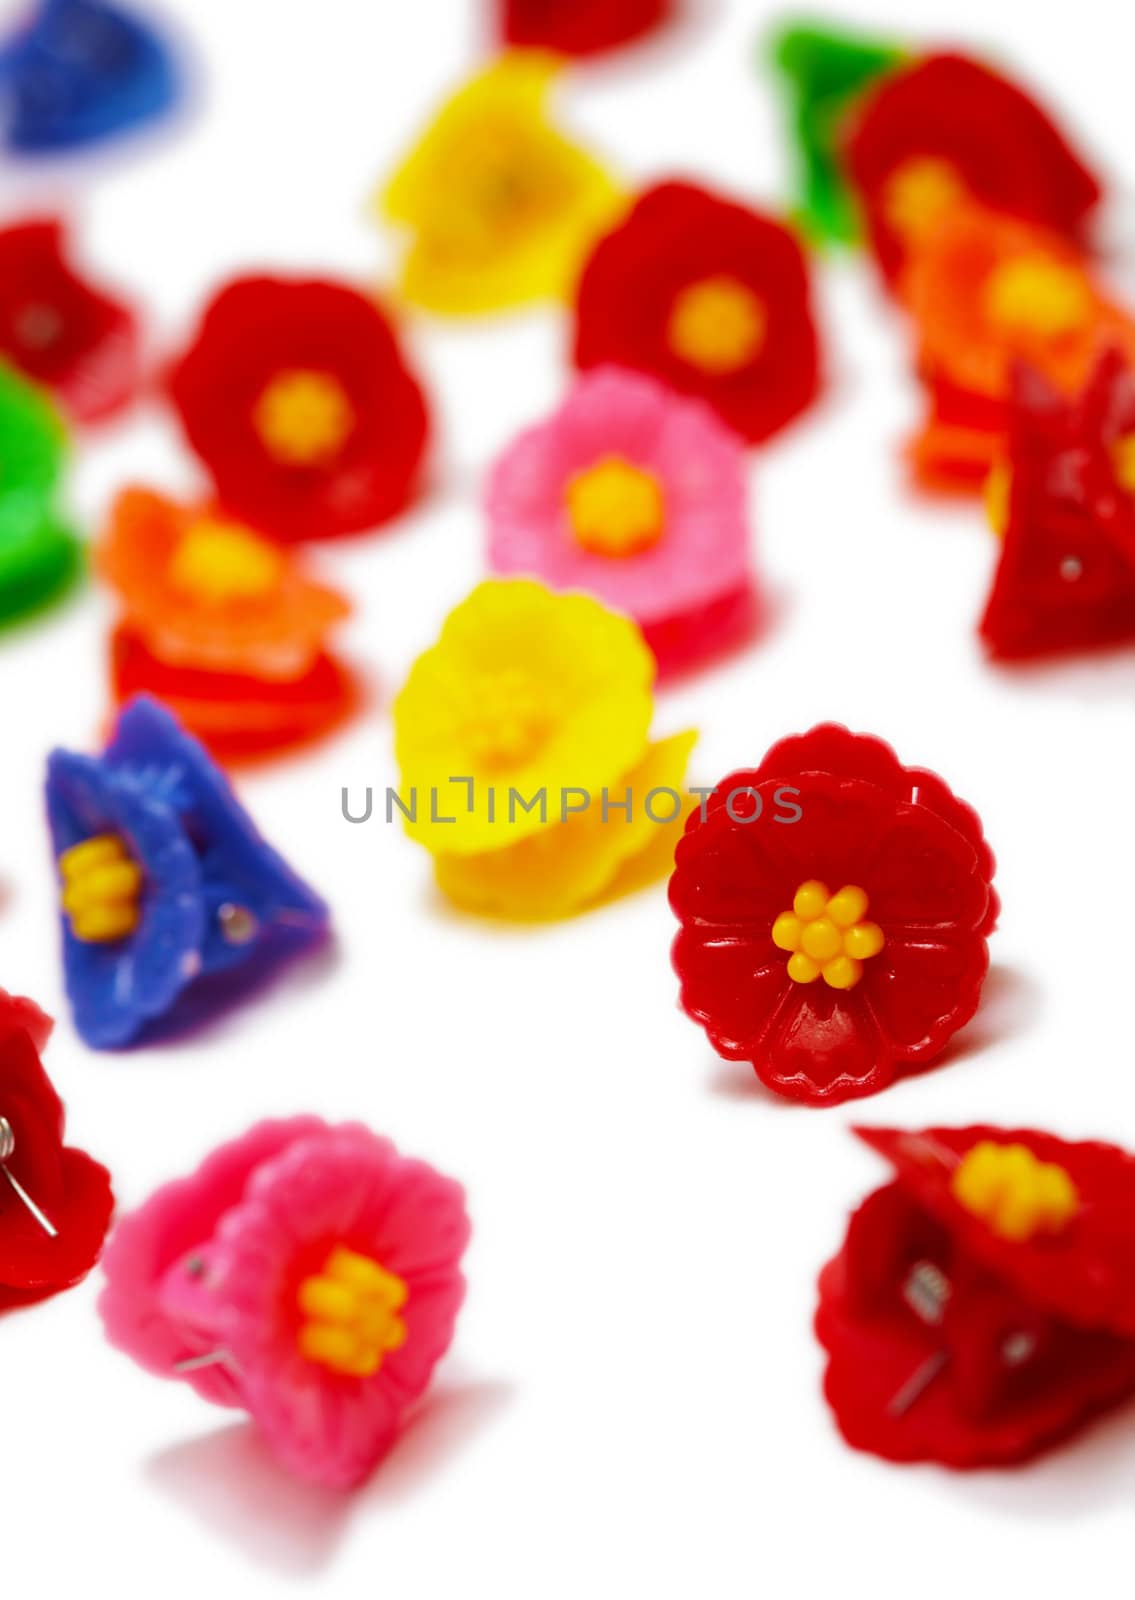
(918, 1383)
(7, 1148)
(211, 1358)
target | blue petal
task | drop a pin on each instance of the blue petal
(115, 988)
(83, 71)
(238, 867)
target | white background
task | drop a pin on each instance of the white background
(632, 1405)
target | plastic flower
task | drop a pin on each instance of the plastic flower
(164, 881)
(81, 71)
(39, 556)
(296, 396)
(981, 1307)
(825, 71)
(55, 1202)
(1065, 579)
(834, 907)
(499, 206)
(709, 297)
(305, 1273)
(59, 330)
(226, 628)
(947, 130)
(986, 293)
(521, 736)
(637, 496)
(579, 27)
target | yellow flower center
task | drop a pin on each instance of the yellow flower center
(510, 717)
(1018, 1195)
(1123, 461)
(102, 889)
(1037, 295)
(998, 495)
(217, 562)
(919, 193)
(303, 417)
(827, 935)
(350, 1311)
(717, 325)
(615, 509)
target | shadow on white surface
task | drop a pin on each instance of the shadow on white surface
(1092, 676)
(230, 1481)
(1010, 1004)
(1092, 1470)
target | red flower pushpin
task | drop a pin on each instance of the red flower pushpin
(709, 297)
(834, 908)
(947, 130)
(55, 1202)
(982, 1306)
(1066, 504)
(61, 331)
(296, 396)
(579, 27)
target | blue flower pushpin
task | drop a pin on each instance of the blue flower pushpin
(172, 903)
(81, 71)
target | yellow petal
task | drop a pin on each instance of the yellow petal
(502, 207)
(596, 673)
(569, 865)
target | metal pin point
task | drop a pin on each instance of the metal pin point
(7, 1150)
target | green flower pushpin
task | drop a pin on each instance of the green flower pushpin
(825, 71)
(39, 555)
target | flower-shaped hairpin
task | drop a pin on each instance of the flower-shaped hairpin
(709, 297)
(636, 495)
(55, 1202)
(580, 27)
(305, 1273)
(527, 771)
(296, 396)
(59, 329)
(39, 555)
(1065, 579)
(982, 1306)
(987, 293)
(919, 144)
(825, 72)
(500, 208)
(81, 71)
(165, 882)
(226, 628)
(834, 908)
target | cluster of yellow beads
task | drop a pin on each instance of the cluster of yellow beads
(1017, 1194)
(350, 1312)
(509, 719)
(919, 193)
(827, 935)
(615, 508)
(102, 889)
(1037, 294)
(217, 563)
(717, 325)
(303, 417)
